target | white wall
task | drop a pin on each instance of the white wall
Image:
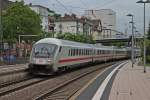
(43, 15)
(108, 19)
(107, 16)
(68, 26)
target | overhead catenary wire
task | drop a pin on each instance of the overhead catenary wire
(64, 6)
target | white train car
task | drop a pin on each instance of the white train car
(51, 55)
(103, 53)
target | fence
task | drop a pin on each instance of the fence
(13, 53)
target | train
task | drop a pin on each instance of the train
(52, 55)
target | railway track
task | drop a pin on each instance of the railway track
(49, 87)
(9, 66)
(65, 90)
(12, 75)
(19, 85)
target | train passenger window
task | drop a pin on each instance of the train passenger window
(69, 53)
(60, 48)
(83, 51)
(76, 53)
(73, 52)
(80, 52)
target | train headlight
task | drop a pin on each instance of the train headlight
(49, 60)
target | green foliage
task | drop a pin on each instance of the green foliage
(20, 19)
(78, 38)
(148, 46)
(118, 44)
(148, 32)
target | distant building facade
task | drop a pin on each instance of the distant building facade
(72, 24)
(108, 21)
(4, 4)
(44, 15)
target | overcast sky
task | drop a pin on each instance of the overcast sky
(121, 7)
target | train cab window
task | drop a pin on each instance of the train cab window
(44, 50)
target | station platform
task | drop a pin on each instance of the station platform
(131, 84)
(122, 83)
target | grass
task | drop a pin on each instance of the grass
(141, 64)
(148, 65)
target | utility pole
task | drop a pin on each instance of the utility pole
(132, 47)
(144, 53)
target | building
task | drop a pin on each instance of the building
(44, 15)
(4, 4)
(73, 24)
(69, 24)
(108, 21)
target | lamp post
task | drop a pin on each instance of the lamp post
(132, 47)
(144, 53)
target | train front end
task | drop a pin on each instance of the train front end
(42, 59)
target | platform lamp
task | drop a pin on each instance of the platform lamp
(132, 47)
(144, 53)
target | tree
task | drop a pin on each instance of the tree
(148, 45)
(19, 19)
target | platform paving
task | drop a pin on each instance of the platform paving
(131, 84)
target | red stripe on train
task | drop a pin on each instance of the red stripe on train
(73, 59)
(78, 59)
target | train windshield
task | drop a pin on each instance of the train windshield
(44, 50)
